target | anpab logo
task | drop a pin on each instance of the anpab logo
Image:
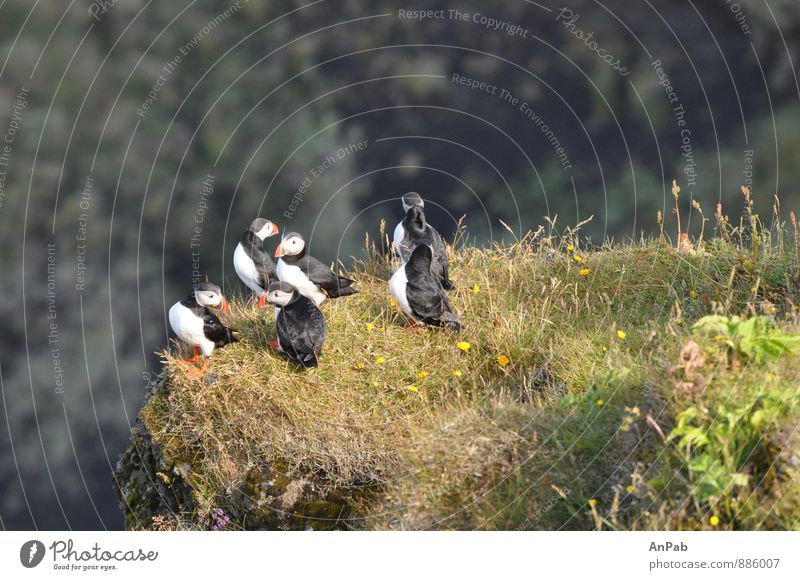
(31, 553)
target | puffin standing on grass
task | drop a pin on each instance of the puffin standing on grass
(414, 230)
(309, 276)
(195, 324)
(255, 267)
(419, 294)
(299, 324)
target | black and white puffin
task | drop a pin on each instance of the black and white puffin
(195, 324)
(312, 278)
(299, 324)
(414, 230)
(255, 267)
(419, 294)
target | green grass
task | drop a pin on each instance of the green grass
(573, 433)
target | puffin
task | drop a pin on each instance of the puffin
(299, 324)
(255, 267)
(195, 324)
(415, 230)
(420, 294)
(312, 278)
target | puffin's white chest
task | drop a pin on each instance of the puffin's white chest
(397, 286)
(246, 269)
(297, 278)
(189, 328)
(399, 234)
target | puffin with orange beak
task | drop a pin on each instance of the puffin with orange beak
(312, 278)
(255, 267)
(195, 324)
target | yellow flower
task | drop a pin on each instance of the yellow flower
(600, 402)
(392, 301)
(629, 489)
(374, 383)
(592, 502)
(422, 374)
(503, 360)
(457, 373)
(360, 365)
(584, 272)
(621, 334)
(692, 294)
(463, 345)
(713, 520)
(412, 388)
(577, 258)
(475, 288)
(380, 360)
(605, 348)
(369, 327)
(570, 248)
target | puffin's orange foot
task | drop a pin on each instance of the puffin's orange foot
(198, 372)
(273, 344)
(262, 300)
(196, 358)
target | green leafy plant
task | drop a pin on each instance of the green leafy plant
(756, 338)
(726, 448)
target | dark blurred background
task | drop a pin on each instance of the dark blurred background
(127, 125)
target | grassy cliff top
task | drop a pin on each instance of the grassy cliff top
(580, 394)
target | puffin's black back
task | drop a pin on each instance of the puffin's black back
(329, 281)
(301, 330)
(254, 248)
(417, 232)
(425, 294)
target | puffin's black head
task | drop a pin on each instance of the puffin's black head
(415, 219)
(411, 199)
(292, 244)
(421, 258)
(263, 228)
(282, 293)
(208, 294)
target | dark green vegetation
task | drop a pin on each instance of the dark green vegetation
(631, 386)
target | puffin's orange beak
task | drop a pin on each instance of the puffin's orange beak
(279, 250)
(223, 306)
(275, 230)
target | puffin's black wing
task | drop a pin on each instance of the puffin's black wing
(425, 294)
(301, 331)
(440, 266)
(333, 284)
(217, 332)
(265, 265)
